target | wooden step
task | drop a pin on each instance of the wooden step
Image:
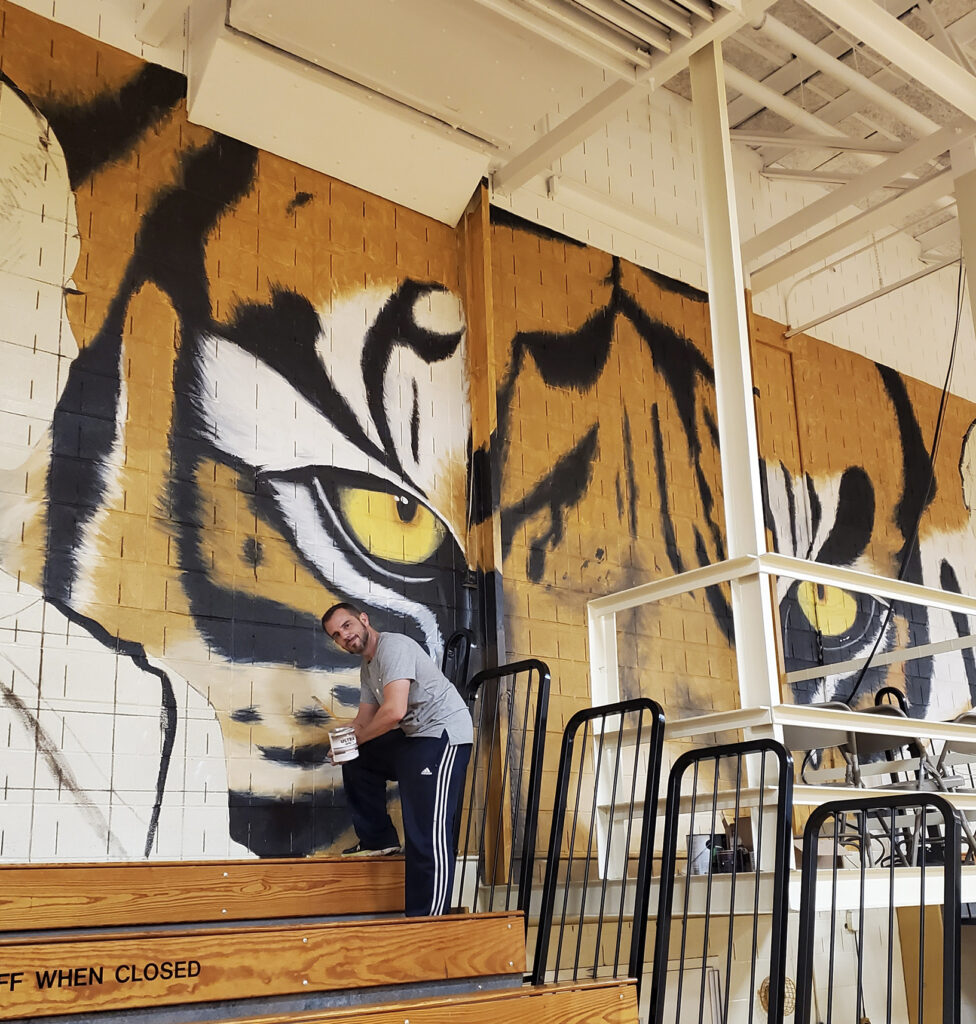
(598, 1002)
(98, 972)
(41, 896)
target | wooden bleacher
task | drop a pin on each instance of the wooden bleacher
(99, 938)
(608, 1002)
(43, 896)
(229, 940)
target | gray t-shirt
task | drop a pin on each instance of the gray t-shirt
(433, 704)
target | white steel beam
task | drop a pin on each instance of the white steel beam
(859, 188)
(927, 64)
(846, 75)
(917, 276)
(777, 103)
(582, 24)
(888, 212)
(964, 170)
(827, 177)
(946, 233)
(789, 567)
(627, 217)
(795, 71)
(581, 124)
(942, 39)
(896, 657)
(637, 23)
(799, 140)
(752, 606)
(669, 14)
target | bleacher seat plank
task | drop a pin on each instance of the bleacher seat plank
(98, 972)
(40, 896)
(604, 1002)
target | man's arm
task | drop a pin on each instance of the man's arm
(385, 716)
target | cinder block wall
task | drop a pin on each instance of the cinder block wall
(236, 390)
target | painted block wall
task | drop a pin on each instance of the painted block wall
(235, 392)
(610, 471)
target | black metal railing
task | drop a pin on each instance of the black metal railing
(457, 654)
(596, 889)
(902, 849)
(498, 824)
(742, 871)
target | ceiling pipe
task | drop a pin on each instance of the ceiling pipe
(841, 72)
(905, 48)
(777, 103)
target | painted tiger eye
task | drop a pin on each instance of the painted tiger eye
(394, 527)
(831, 610)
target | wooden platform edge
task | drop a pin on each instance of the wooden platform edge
(577, 1002)
(51, 896)
(54, 975)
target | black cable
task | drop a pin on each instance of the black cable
(936, 438)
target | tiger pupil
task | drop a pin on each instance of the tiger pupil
(406, 508)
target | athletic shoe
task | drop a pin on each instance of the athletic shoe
(361, 851)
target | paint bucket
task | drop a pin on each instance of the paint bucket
(344, 745)
(703, 852)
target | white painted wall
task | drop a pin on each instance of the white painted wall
(114, 22)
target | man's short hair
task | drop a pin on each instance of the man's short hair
(341, 606)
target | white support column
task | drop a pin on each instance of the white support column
(964, 173)
(752, 606)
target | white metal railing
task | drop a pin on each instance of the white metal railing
(768, 718)
(602, 613)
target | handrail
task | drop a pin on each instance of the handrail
(775, 850)
(612, 859)
(505, 769)
(859, 824)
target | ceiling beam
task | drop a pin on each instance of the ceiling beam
(942, 39)
(635, 221)
(777, 103)
(582, 123)
(798, 140)
(796, 70)
(846, 75)
(886, 290)
(946, 233)
(905, 48)
(888, 212)
(580, 23)
(847, 195)
(825, 177)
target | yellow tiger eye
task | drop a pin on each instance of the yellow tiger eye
(394, 527)
(833, 611)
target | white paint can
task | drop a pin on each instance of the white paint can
(344, 744)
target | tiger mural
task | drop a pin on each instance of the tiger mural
(234, 443)
(633, 492)
(236, 391)
(913, 520)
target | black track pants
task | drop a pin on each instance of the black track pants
(430, 773)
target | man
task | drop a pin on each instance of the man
(413, 728)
